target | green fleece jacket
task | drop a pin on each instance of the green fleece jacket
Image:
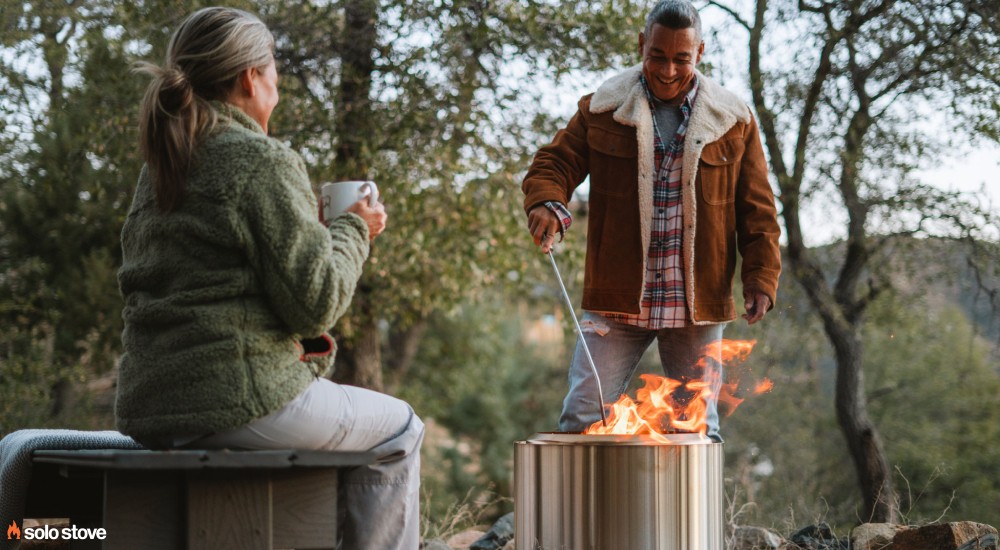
(221, 292)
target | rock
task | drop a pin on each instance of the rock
(509, 545)
(434, 544)
(874, 536)
(754, 538)
(818, 537)
(498, 535)
(961, 535)
(463, 540)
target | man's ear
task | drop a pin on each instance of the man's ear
(701, 52)
(642, 42)
(246, 82)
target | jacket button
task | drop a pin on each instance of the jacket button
(724, 159)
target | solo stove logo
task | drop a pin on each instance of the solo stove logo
(48, 532)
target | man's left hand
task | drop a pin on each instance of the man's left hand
(757, 305)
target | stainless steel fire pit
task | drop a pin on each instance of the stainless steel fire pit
(618, 492)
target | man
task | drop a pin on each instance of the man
(678, 184)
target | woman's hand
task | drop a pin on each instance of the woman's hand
(374, 216)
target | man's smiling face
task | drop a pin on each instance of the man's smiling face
(669, 57)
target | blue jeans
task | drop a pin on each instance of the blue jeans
(616, 355)
(382, 500)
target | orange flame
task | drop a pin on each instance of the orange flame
(664, 405)
(13, 532)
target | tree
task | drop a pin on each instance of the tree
(423, 97)
(837, 120)
(419, 97)
(64, 184)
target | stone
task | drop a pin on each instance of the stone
(463, 540)
(818, 537)
(960, 535)
(874, 536)
(434, 544)
(509, 545)
(498, 535)
(754, 538)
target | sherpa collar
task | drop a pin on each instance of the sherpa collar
(624, 95)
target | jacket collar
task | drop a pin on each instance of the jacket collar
(714, 113)
(232, 112)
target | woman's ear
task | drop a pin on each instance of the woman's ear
(246, 82)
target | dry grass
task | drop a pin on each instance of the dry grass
(470, 512)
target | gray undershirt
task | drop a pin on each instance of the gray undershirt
(667, 118)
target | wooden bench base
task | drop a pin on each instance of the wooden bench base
(222, 499)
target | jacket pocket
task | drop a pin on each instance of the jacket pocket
(613, 159)
(318, 353)
(718, 170)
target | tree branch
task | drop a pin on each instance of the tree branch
(806, 270)
(809, 108)
(732, 13)
(768, 119)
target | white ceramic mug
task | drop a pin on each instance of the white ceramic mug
(339, 196)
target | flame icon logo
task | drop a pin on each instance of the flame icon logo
(13, 532)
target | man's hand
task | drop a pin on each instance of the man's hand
(756, 305)
(544, 227)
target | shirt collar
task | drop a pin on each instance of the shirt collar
(688, 99)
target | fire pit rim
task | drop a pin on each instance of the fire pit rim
(574, 438)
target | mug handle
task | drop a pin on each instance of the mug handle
(372, 192)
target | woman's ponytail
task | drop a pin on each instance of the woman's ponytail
(171, 121)
(205, 57)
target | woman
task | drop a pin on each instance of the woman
(231, 282)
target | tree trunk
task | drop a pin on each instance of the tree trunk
(360, 361)
(863, 440)
(403, 347)
(840, 307)
(354, 116)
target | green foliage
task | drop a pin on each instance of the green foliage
(446, 164)
(937, 398)
(65, 183)
(24, 394)
(932, 390)
(477, 378)
(446, 158)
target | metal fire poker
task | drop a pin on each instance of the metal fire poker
(579, 331)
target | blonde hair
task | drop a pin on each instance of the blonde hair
(205, 57)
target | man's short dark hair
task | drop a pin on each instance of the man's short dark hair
(674, 14)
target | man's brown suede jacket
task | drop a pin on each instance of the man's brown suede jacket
(727, 201)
